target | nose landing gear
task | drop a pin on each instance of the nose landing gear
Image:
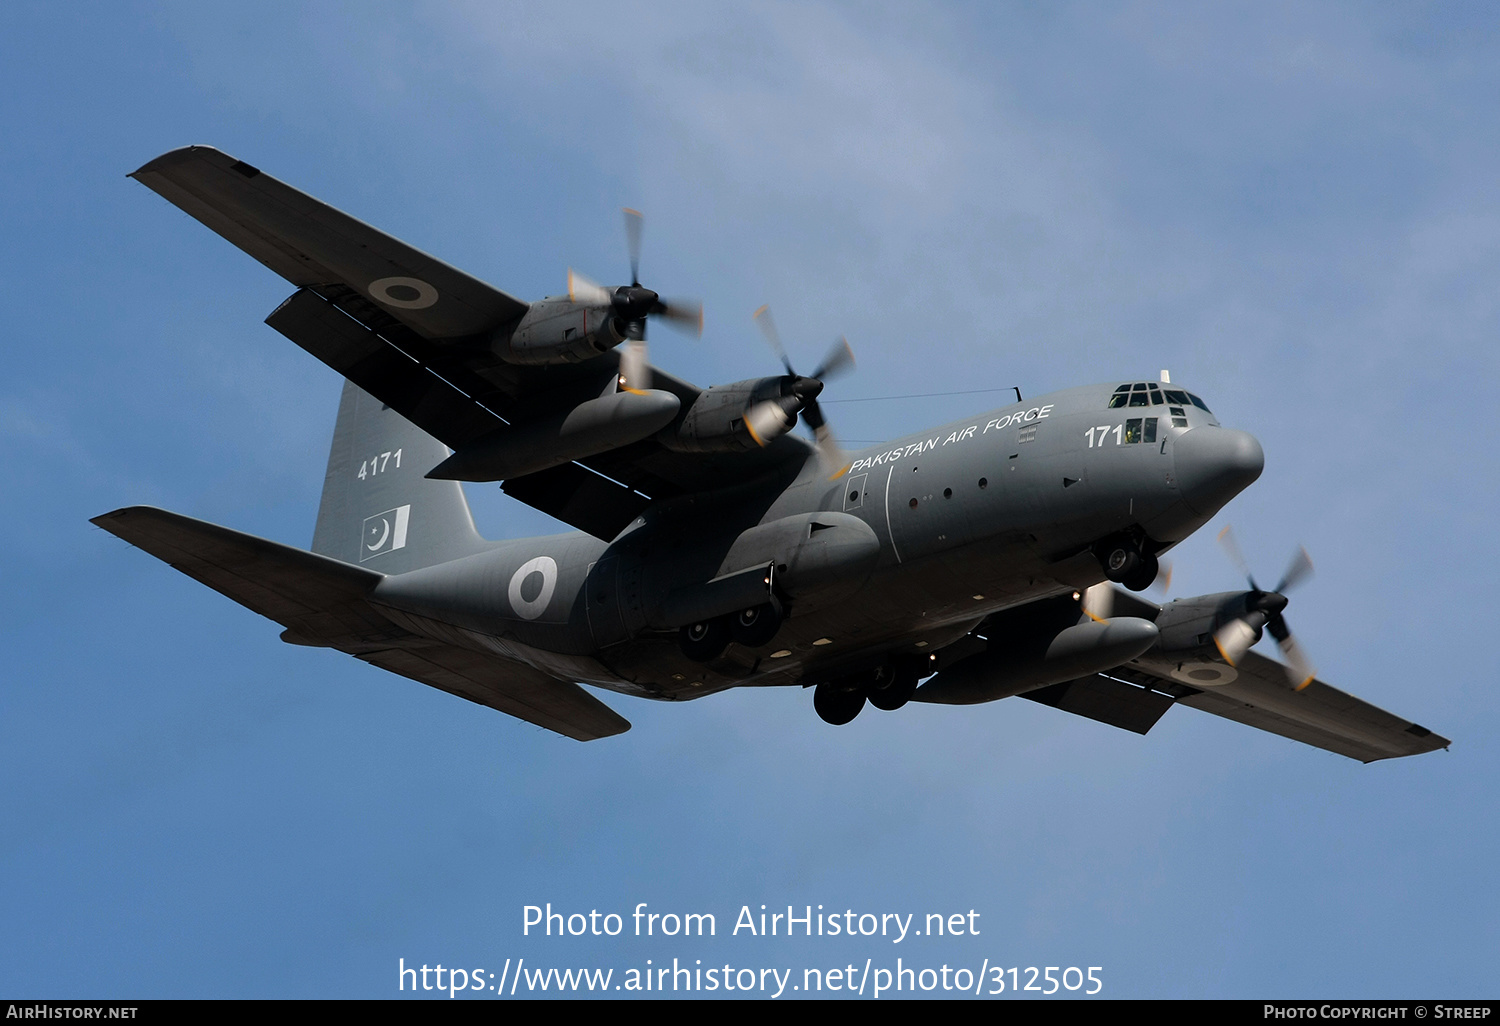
(1125, 562)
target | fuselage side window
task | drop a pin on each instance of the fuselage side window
(1148, 435)
(1132, 430)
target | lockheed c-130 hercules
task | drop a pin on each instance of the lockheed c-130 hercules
(995, 556)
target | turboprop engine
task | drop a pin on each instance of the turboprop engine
(558, 330)
(595, 426)
(744, 415)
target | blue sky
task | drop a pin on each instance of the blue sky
(1294, 209)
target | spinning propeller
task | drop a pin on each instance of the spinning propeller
(633, 303)
(772, 418)
(1264, 609)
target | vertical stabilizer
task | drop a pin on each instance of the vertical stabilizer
(378, 510)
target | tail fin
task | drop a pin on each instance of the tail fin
(378, 510)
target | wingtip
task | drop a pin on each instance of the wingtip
(178, 156)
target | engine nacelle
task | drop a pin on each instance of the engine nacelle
(716, 420)
(1187, 625)
(558, 330)
(1007, 669)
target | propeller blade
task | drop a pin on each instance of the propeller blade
(840, 358)
(1232, 548)
(829, 449)
(1099, 602)
(1299, 570)
(1234, 639)
(635, 375)
(633, 224)
(1163, 582)
(768, 421)
(581, 290)
(1298, 667)
(762, 318)
(684, 315)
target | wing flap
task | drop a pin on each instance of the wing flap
(1104, 700)
(580, 498)
(395, 378)
(309, 242)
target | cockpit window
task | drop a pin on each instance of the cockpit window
(1142, 393)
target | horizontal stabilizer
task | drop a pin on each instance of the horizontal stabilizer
(321, 601)
(512, 688)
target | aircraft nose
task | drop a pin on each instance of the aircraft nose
(1214, 465)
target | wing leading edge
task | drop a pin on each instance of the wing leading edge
(321, 602)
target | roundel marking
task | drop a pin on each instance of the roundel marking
(530, 609)
(1205, 674)
(404, 293)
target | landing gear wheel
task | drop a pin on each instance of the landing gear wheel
(1143, 576)
(755, 626)
(1120, 561)
(836, 705)
(701, 642)
(894, 684)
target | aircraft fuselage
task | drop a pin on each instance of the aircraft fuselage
(905, 552)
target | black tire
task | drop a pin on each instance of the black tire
(1143, 576)
(836, 704)
(701, 642)
(1119, 561)
(894, 685)
(755, 626)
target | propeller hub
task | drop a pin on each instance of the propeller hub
(1269, 602)
(633, 302)
(806, 389)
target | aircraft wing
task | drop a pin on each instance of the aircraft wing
(310, 243)
(321, 602)
(424, 349)
(1135, 695)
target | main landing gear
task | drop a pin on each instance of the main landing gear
(1126, 562)
(888, 686)
(705, 641)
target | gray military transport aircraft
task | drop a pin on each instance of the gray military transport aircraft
(995, 556)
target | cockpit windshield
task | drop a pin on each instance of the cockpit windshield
(1144, 393)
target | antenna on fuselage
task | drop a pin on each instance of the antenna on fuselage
(1018, 393)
